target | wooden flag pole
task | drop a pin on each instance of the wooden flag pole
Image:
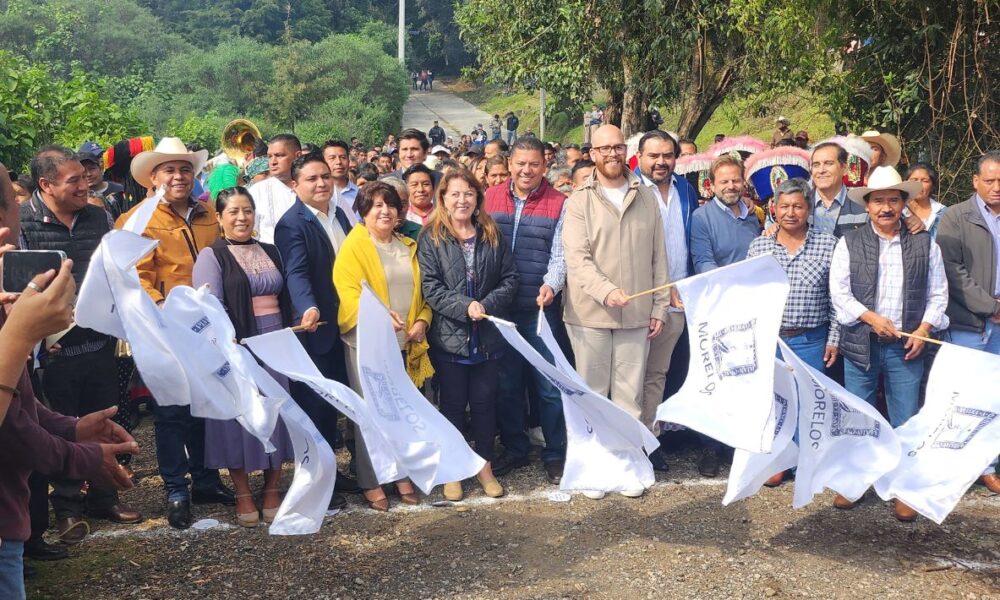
(922, 338)
(652, 291)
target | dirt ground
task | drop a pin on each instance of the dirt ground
(677, 541)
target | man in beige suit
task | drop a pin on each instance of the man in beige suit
(613, 238)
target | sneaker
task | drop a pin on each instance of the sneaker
(593, 494)
(536, 437)
(632, 493)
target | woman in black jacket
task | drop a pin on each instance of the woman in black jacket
(468, 272)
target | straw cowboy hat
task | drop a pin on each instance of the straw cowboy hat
(891, 149)
(884, 178)
(169, 149)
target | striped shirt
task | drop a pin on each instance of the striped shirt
(808, 270)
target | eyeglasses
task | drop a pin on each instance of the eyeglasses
(606, 150)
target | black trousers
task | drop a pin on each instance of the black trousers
(473, 386)
(76, 386)
(331, 365)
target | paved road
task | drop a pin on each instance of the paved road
(455, 115)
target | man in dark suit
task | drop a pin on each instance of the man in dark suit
(309, 236)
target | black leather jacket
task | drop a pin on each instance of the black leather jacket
(442, 269)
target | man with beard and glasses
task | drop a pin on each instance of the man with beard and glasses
(721, 232)
(614, 246)
(885, 280)
(677, 201)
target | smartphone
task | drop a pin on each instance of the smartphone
(21, 266)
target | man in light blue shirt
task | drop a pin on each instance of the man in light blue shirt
(336, 154)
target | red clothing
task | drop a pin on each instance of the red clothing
(33, 438)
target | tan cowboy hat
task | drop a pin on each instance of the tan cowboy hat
(890, 146)
(883, 178)
(169, 149)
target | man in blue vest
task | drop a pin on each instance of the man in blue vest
(530, 213)
(885, 280)
(658, 152)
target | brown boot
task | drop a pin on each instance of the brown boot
(843, 503)
(992, 482)
(72, 530)
(904, 513)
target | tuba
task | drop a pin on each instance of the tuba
(239, 137)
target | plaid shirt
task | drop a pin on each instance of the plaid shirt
(809, 303)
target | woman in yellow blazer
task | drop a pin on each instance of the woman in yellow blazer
(374, 253)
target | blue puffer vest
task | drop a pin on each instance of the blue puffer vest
(535, 231)
(863, 248)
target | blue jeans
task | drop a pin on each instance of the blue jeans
(12, 570)
(902, 380)
(180, 449)
(987, 341)
(511, 136)
(809, 346)
(515, 375)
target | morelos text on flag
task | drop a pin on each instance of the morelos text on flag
(844, 443)
(606, 448)
(750, 470)
(954, 437)
(733, 317)
(423, 443)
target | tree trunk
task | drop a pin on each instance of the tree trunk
(707, 88)
(613, 111)
(633, 102)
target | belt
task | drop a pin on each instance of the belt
(792, 332)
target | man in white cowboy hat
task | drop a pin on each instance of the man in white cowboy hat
(183, 227)
(885, 280)
(886, 150)
(782, 132)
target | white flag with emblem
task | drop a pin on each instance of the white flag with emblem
(844, 443)
(733, 317)
(750, 470)
(953, 438)
(606, 447)
(420, 440)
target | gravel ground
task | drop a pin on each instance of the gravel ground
(677, 541)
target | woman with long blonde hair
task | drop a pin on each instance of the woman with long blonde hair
(468, 273)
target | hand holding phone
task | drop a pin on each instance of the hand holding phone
(21, 266)
(38, 314)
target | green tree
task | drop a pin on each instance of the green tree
(37, 109)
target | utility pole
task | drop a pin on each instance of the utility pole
(401, 37)
(541, 114)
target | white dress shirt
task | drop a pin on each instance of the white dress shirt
(889, 298)
(674, 235)
(271, 198)
(331, 226)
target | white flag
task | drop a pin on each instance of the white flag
(949, 443)
(140, 217)
(606, 447)
(750, 470)
(282, 351)
(844, 443)
(201, 312)
(733, 317)
(308, 498)
(425, 445)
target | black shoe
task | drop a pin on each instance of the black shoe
(507, 463)
(554, 471)
(346, 484)
(338, 502)
(179, 514)
(38, 549)
(219, 494)
(659, 461)
(708, 466)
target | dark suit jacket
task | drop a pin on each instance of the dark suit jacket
(308, 256)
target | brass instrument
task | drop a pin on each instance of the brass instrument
(239, 137)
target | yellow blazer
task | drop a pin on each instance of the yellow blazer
(357, 262)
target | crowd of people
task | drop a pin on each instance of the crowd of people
(445, 234)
